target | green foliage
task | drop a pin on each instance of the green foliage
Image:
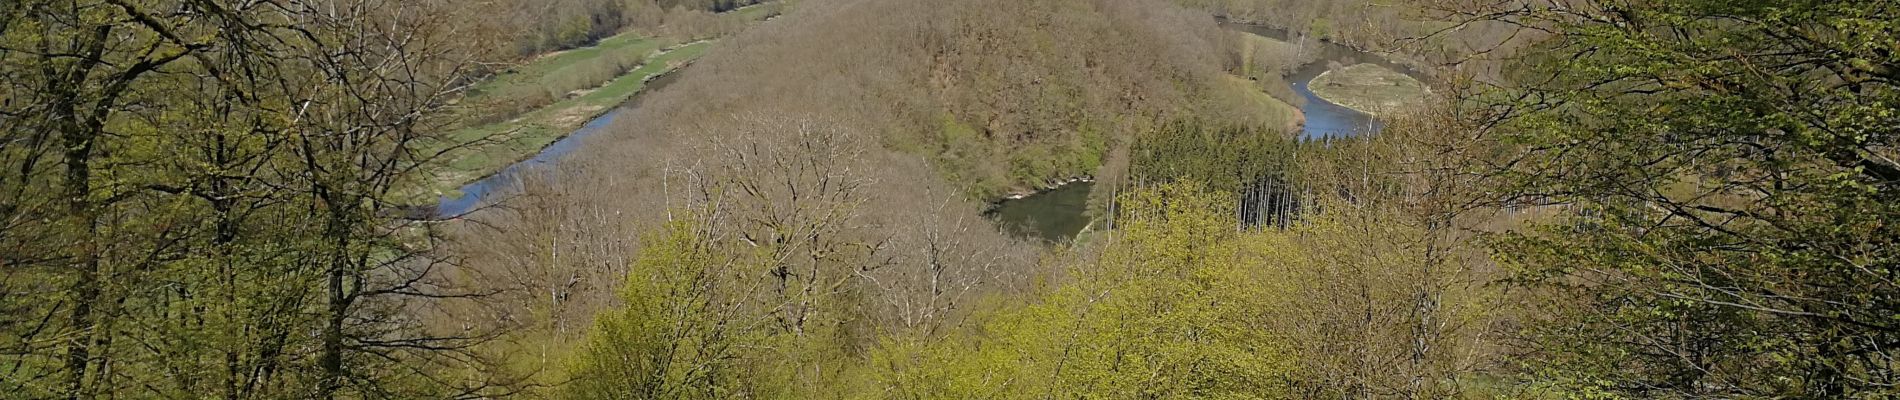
(1225, 159)
(675, 334)
(1048, 89)
(965, 156)
(1731, 170)
(545, 26)
(1168, 312)
(488, 147)
(200, 195)
(547, 79)
(1371, 306)
(1171, 311)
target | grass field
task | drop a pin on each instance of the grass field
(523, 135)
(517, 113)
(1261, 83)
(1261, 108)
(1261, 55)
(544, 71)
(1369, 88)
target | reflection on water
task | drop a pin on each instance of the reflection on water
(1056, 215)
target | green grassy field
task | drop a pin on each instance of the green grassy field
(1261, 108)
(518, 112)
(1260, 86)
(538, 73)
(1369, 88)
(1263, 55)
(517, 138)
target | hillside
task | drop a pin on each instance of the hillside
(920, 114)
(858, 199)
(996, 96)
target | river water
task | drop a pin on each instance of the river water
(490, 188)
(1059, 214)
(1055, 215)
(1323, 118)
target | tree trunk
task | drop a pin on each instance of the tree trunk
(330, 363)
(85, 257)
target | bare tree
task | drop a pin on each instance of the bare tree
(208, 183)
(792, 189)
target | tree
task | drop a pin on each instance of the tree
(198, 198)
(1382, 284)
(1732, 170)
(683, 327)
(1169, 311)
(751, 286)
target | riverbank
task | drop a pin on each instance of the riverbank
(1262, 107)
(1057, 184)
(509, 142)
(512, 117)
(1377, 86)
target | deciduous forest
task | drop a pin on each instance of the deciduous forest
(953, 199)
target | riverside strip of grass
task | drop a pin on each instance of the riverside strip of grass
(518, 113)
(510, 141)
(1265, 110)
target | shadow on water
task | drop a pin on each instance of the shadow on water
(489, 189)
(1055, 215)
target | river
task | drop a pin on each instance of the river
(508, 181)
(1324, 118)
(1057, 215)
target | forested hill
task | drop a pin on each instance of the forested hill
(1667, 199)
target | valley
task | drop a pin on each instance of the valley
(953, 199)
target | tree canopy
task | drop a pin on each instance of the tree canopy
(1733, 166)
